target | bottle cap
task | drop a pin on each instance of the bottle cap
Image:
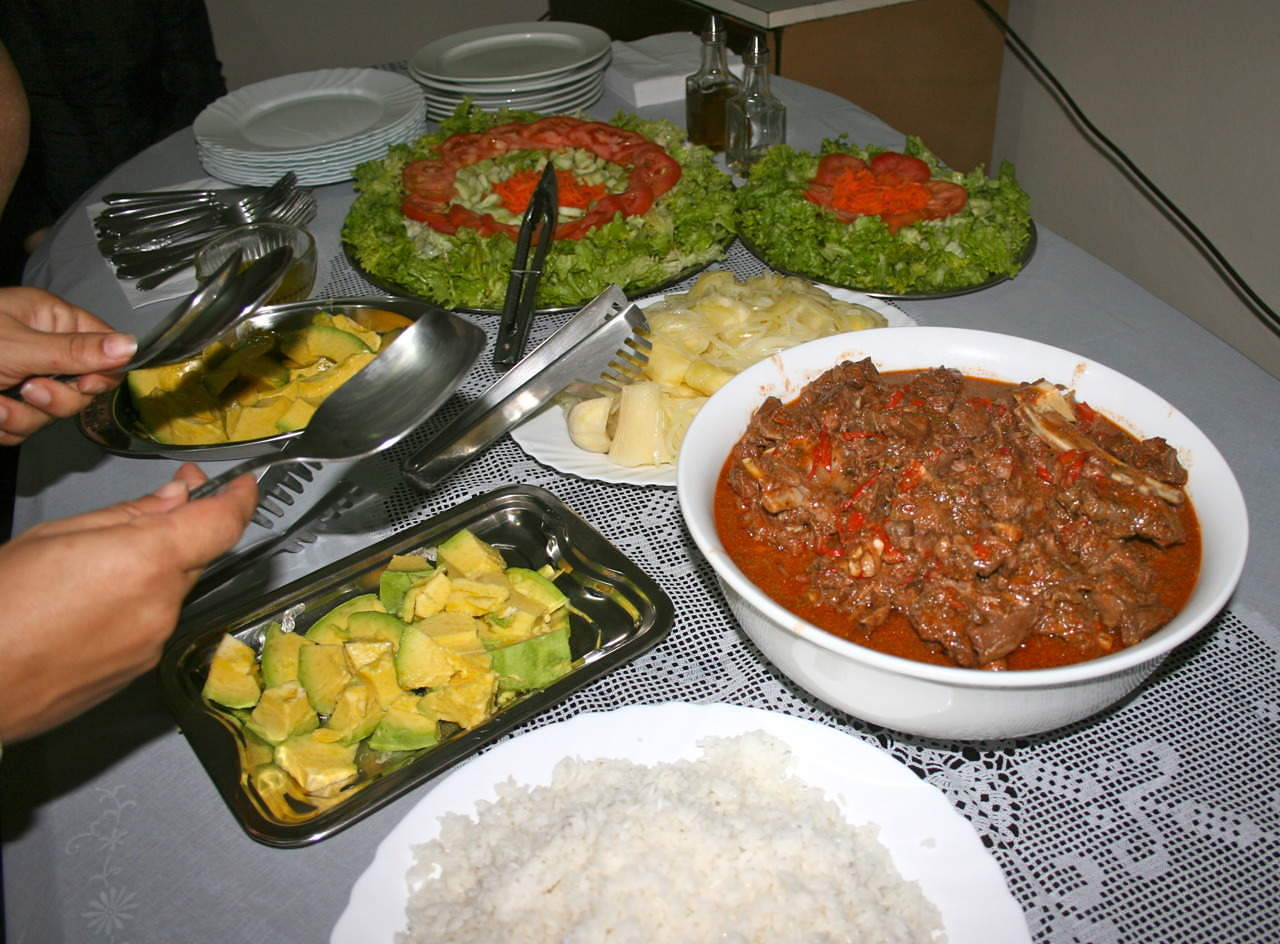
(714, 30)
(757, 49)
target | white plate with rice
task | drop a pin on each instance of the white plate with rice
(545, 436)
(706, 837)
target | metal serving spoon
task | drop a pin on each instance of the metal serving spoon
(206, 314)
(386, 400)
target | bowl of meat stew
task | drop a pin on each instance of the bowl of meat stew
(959, 534)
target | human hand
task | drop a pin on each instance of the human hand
(90, 600)
(41, 334)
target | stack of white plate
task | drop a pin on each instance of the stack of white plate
(319, 125)
(535, 66)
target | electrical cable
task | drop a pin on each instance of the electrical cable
(1237, 282)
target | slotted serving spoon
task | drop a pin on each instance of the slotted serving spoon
(382, 403)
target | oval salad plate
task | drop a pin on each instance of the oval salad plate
(545, 437)
(928, 841)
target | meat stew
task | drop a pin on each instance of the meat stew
(959, 521)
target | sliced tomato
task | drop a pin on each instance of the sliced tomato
(945, 198)
(434, 218)
(503, 139)
(636, 199)
(902, 166)
(551, 132)
(431, 181)
(653, 167)
(832, 166)
(895, 221)
(604, 140)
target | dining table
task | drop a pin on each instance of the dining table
(1157, 819)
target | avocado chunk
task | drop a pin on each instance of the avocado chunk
(519, 618)
(280, 655)
(320, 766)
(423, 662)
(478, 596)
(356, 713)
(318, 386)
(426, 598)
(455, 631)
(309, 344)
(372, 625)
(534, 663)
(537, 587)
(370, 660)
(404, 728)
(296, 417)
(233, 678)
(323, 672)
(467, 702)
(282, 712)
(332, 627)
(467, 556)
(394, 584)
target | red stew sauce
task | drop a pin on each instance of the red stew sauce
(923, 515)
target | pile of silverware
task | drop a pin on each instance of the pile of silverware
(153, 236)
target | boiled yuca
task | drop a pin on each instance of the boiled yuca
(700, 339)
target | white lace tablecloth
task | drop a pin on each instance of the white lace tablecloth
(1157, 821)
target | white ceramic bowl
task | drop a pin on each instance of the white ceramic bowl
(941, 701)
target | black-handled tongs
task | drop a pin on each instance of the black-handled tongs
(539, 221)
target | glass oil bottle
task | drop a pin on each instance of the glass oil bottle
(708, 90)
(755, 119)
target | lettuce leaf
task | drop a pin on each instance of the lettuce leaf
(985, 241)
(687, 228)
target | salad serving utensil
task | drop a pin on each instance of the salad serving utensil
(522, 287)
(207, 313)
(605, 327)
(382, 403)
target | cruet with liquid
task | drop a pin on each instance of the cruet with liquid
(754, 118)
(707, 90)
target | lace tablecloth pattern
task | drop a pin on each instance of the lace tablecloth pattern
(1124, 828)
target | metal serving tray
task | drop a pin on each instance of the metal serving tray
(617, 613)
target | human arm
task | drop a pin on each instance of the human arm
(43, 335)
(14, 125)
(90, 600)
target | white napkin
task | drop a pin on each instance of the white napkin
(652, 70)
(178, 286)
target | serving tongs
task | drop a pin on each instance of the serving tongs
(522, 286)
(608, 326)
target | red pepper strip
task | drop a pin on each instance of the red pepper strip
(980, 403)
(821, 455)
(854, 522)
(981, 551)
(889, 553)
(1086, 412)
(911, 476)
(857, 492)
(895, 398)
(1072, 462)
(1044, 475)
(855, 434)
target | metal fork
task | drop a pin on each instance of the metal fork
(159, 265)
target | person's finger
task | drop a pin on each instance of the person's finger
(212, 525)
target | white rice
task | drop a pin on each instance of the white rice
(725, 848)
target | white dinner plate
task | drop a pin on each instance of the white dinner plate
(559, 105)
(929, 841)
(510, 51)
(459, 90)
(308, 111)
(545, 437)
(531, 100)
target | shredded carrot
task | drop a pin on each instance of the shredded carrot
(864, 193)
(517, 190)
